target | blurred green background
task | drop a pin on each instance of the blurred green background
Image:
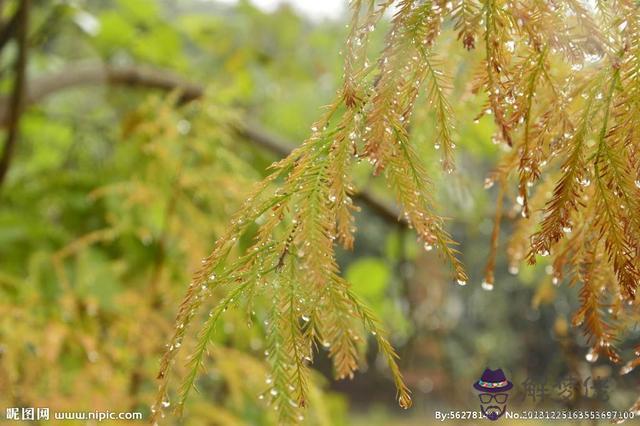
(116, 191)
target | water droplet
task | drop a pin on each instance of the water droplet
(592, 57)
(510, 46)
(520, 200)
(488, 183)
(592, 355)
(555, 281)
(585, 181)
(305, 318)
(461, 281)
(404, 401)
(513, 269)
(166, 403)
(486, 285)
(428, 247)
(273, 392)
(637, 182)
(626, 369)
(567, 229)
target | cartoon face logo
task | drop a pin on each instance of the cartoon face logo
(493, 389)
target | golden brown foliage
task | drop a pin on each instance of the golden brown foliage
(562, 83)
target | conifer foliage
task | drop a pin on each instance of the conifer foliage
(561, 80)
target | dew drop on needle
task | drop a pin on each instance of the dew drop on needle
(592, 355)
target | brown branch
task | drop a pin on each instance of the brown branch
(142, 77)
(98, 74)
(9, 28)
(17, 96)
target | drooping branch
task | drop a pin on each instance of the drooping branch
(276, 145)
(136, 76)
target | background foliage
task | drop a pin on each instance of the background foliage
(115, 194)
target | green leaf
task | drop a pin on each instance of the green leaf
(369, 277)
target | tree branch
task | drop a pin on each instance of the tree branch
(8, 29)
(99, 74)
(17, 96)
(143, 77)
